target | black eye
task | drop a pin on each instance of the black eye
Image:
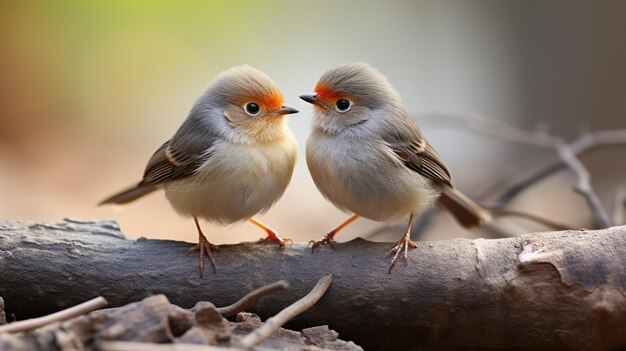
(252, 108)
(343, 105)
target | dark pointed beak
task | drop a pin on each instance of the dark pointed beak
(310, 98)
(287, 110)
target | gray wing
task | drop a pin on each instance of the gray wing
(185, 153)
(167, 164)
(177, 158)
(418, 155)
(170, 162)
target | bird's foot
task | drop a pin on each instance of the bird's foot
(205, 247)
(271, 236)
(401, 248)
(327, 239)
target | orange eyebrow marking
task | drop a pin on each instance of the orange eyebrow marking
(273, 101)
(325, 93)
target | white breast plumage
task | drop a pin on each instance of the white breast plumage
(237, 182)
(365, 178)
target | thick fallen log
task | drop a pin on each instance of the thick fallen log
(559, 290)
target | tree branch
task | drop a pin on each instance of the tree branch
(585, 144)
(538, 291)
(583, 183)
(567, 157)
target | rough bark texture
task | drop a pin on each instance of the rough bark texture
(2, 314)
(156, 321)
(559, 290)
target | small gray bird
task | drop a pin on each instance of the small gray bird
(367, 156)
(232, 157)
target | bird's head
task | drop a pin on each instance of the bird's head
(250, 103)
(348, 95)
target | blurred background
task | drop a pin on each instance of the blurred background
(89, 89)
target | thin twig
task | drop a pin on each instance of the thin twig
(583, 183)
(284, 316)
(502, 212)
(252, 298)
(497, 129)
(567, 155)
(78, 310)
(581, 146)
(144, 346)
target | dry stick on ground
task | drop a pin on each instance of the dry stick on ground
(2, 314)
(144, 346)
(567, 156)
(252, 298)
(274, 323)
(34, 323)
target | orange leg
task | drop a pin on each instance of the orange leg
(403, 246)
(271, 234)
(204, 246)
(329, 237)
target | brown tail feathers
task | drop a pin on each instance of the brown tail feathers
(130, 194)
(468, 213)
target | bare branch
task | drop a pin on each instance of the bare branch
(500, 212)
(78, 310)
(583, 145)
(498, 129)
(567, 156)
(284, 316)
(252, 298)
(583, 184)
(575, 277)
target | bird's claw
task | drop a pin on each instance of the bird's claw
(204, 246)
(280, 241)
(403, 247)
(327, 239)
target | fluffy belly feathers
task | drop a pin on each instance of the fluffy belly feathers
(365, 178)
(236, 183)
